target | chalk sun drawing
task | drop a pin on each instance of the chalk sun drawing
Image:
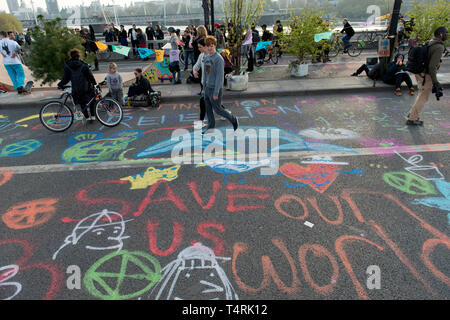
(230, 166)
(12, 288)
(151, 176)
(293, 142)
(195, 274)
(99, 231)
(91, 147)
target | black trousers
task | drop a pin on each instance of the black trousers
(82, 99)
(134, 44)
(364, 68)
(399, 78)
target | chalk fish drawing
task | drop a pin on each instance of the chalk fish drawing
(293, 142)
(91, 147)
(99, 231)
(442, 203)
(231, 166)
(6, 273)
(151, 176)
(195, 274)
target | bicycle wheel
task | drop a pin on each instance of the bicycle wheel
(275, 55)
(56, 116)
(335, 48)
(109, 112)
(259, 59)
(355, 50)
(181, 58)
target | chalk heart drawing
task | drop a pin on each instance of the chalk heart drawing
(328, 134)
(288, 142)
(8, 290)
(111, 277)
(151, 176)
(30, 214)
(318, 176)
(91, 147)
(194, 275)
(409, 183)
(99, 231)
(20, 148)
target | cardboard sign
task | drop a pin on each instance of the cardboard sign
(384, 48)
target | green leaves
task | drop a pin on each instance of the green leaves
(48, 53)
(428, 16)
(8, 22)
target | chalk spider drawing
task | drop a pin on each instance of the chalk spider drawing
(99, 231)
(195, 274)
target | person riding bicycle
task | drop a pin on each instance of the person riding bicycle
(80, 75)
(349, 33)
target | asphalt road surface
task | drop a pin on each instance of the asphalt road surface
(357, 208)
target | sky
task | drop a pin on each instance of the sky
(61, 3)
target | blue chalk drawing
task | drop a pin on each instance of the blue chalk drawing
(20, 148)
(442, 203)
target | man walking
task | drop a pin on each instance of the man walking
(214, 69)
(427, 82)
(10, 50)
(349, 33)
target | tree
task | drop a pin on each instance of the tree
(357, 9)
(299, 42)
(48, 53)
(240, 15)
(428, 16)
(8, 22)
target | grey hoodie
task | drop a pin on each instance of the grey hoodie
(214, 72)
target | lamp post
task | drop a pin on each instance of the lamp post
(212, 16)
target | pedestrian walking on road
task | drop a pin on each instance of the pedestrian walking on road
(10, 52)
(427, 82)
(214, 70)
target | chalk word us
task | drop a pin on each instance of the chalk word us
(241, 145)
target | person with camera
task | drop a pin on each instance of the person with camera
(428, 82)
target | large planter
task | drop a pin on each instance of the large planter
(237, 82)
(299, 70)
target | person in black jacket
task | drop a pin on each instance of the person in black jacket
(140, 86)
(159, 34)
(123, 36)
(88, 42)
(349, 33)
(132, 34)
(78, 73)
(395, 74)
(150, 32)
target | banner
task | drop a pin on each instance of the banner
(263, 45)
(384, 48)
(323, 36)
(144, 52)
(159, 55)
(101, 46)
(121, 50)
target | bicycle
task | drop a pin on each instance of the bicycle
(337, 45)
(57, 116)
(370, 39)
(272, 53)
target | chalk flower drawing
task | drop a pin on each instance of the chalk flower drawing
(195, 274)
(99, 231)
(6, 273)
(151, 176)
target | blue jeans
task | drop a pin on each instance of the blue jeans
(346, 40)
(15, 72)
(188, 54)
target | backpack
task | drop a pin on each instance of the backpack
(255, 36)
(418, 59)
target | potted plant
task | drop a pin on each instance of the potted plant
(299, 41)
(240, 15)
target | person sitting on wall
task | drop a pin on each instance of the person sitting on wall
(141, 86)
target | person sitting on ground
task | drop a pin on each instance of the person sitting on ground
(396, 73)
(79, 74)
(372, 71)
(141, 86)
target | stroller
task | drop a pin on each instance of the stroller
(143, 100)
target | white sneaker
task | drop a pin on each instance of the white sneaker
(91, 118)
(199, 124)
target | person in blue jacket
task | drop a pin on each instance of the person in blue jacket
(396, 74)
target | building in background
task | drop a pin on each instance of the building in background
(13, 5)
(52, 7)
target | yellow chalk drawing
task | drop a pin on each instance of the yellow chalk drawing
(151, 176)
